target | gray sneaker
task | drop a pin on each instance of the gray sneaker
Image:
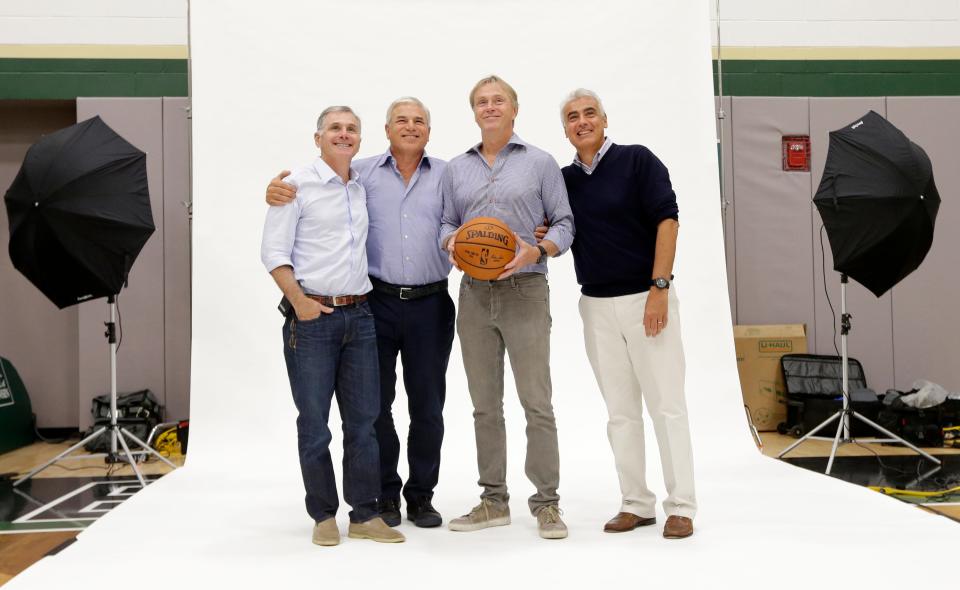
(550, 524)
(485, 514)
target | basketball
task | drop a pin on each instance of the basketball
(483, 246)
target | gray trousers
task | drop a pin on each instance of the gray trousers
(512, 315)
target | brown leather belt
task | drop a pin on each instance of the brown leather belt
(339, 300)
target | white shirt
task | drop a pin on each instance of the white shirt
(322, 234)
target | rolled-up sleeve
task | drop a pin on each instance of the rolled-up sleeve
(556, 205)
(450, 220)
(279, 235)
(660, 200)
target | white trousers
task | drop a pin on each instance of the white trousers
(630, 367)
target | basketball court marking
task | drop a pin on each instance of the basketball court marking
(70, 511)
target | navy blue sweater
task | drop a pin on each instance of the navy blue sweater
(616, 211)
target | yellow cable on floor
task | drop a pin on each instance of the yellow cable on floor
(895, 491)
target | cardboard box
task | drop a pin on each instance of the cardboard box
(759, 349)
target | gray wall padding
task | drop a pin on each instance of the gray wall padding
(910, 333)
(38, 339)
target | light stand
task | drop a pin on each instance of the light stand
(843, 416)
(116, 432)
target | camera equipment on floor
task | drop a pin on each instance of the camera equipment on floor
(921, 426)
(814, 392)
(16, 416)
(138, 412)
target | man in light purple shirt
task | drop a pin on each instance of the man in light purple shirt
(507, 178)
(412, 307)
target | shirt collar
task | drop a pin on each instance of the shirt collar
(387, 157)
(326, 173)
(596, 159)
(514, 140)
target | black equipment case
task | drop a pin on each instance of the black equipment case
(814, 385)
(920, 426)
(138, 412)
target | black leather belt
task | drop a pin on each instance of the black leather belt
(408, 293)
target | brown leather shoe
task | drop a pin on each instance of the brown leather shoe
(626, 521)
(677, 527)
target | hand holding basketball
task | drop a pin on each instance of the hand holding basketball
(450, 256)
(482, 247)
(526, 254)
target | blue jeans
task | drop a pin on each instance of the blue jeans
(336, 353)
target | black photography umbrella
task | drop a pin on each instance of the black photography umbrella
(878, 202)
(79, 212)
(79, 215)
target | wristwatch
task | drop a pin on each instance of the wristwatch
(543, 254)
(660, 282)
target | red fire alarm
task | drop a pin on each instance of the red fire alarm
(796, 153)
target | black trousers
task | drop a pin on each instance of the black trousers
(421, 332)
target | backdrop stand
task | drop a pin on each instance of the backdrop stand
(116, 433)
(843, 415)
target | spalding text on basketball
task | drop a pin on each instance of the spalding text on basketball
(474, 233)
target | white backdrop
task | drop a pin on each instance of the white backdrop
(260, 75)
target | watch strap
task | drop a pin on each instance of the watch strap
(543, 254)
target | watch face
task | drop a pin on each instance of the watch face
(661, 283)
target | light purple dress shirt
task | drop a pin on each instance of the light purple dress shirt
(523, 186)
(404, 220)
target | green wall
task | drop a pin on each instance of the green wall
(70, 78)
(839, 77)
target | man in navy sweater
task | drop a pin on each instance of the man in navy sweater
(626, 215)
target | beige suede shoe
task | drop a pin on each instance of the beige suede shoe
(326, 533)
(375, 530)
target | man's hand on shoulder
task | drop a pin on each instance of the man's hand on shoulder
(280, 192)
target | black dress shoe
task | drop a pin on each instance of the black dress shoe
(389, 511)
(422, 513)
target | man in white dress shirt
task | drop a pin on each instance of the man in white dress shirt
(315, 249)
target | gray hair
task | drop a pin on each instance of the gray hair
(335, 109)
(407, 100)
(581, 93)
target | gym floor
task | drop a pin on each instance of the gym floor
(45, 516)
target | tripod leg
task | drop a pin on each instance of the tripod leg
(896, 438)
(808, 435)
(130, 459)
(147, 448)
(836, 443)
(37, 470)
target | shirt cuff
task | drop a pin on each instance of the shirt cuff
(276, 261)
(559, 237)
